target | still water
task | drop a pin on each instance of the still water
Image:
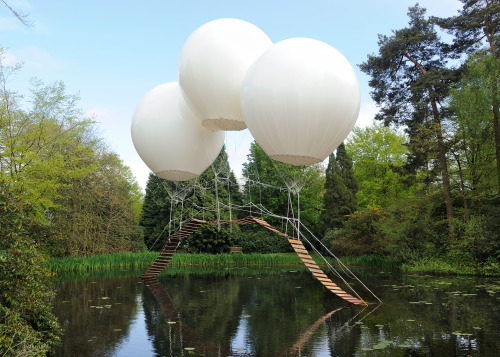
(275, 312)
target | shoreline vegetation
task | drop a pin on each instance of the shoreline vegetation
(145, 259)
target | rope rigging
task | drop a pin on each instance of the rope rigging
(211, 199)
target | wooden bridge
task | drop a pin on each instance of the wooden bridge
(192, 226)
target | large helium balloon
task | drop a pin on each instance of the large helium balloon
(212, 66)
(168, 137)
(300, 100)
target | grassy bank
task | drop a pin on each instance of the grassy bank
(450, 267)
(145, 259)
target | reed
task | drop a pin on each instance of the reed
(145, 259)
(440, 266)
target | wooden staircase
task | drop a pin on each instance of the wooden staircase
(170, 248)
(319, 274)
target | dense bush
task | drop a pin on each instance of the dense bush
(260, 240)
(27, 325)
(210, 239)
(361, 234)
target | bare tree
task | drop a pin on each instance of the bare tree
(23, 17)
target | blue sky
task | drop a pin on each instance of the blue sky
(112, 52)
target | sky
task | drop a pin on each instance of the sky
(112, 52)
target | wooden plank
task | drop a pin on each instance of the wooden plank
(295, 241)
(316, 271)
(331, 285)
(300, 249)
(310, 261)
(322, 276)
(304, 255)
(324, 280)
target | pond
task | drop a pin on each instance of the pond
(275, 312)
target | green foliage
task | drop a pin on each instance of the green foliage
(168, 204)
(361, 234)
(83, 195)
(344, 161)
(259, 240)
(410, 82)
(379, 154)
(415, 229)
(210, 239)
(27, 325)
(273, 185)
(473, 129)
(338, 200)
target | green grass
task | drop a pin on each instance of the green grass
(452, 267)
(145, 259)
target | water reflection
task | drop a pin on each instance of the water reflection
(275, 313)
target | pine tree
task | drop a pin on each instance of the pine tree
(338, 199)
(155, 215)
(410, 81)
(168, 204)
(344, 162)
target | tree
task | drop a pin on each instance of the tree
(344, 161)
(338, 200)
(27, 325)
(209, 197)
(379, 155)
(477, 22)
(21, 16)
(474, 144)
(282, 188)
(50, 156)
(410, 81)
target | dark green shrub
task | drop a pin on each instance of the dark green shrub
(27, 325)
(259, 240)
(361, 234)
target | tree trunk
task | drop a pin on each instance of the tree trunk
(462, 189)
(444, 167)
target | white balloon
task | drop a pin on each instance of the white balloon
(300, 100)
(212, 66)
(168, 137)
